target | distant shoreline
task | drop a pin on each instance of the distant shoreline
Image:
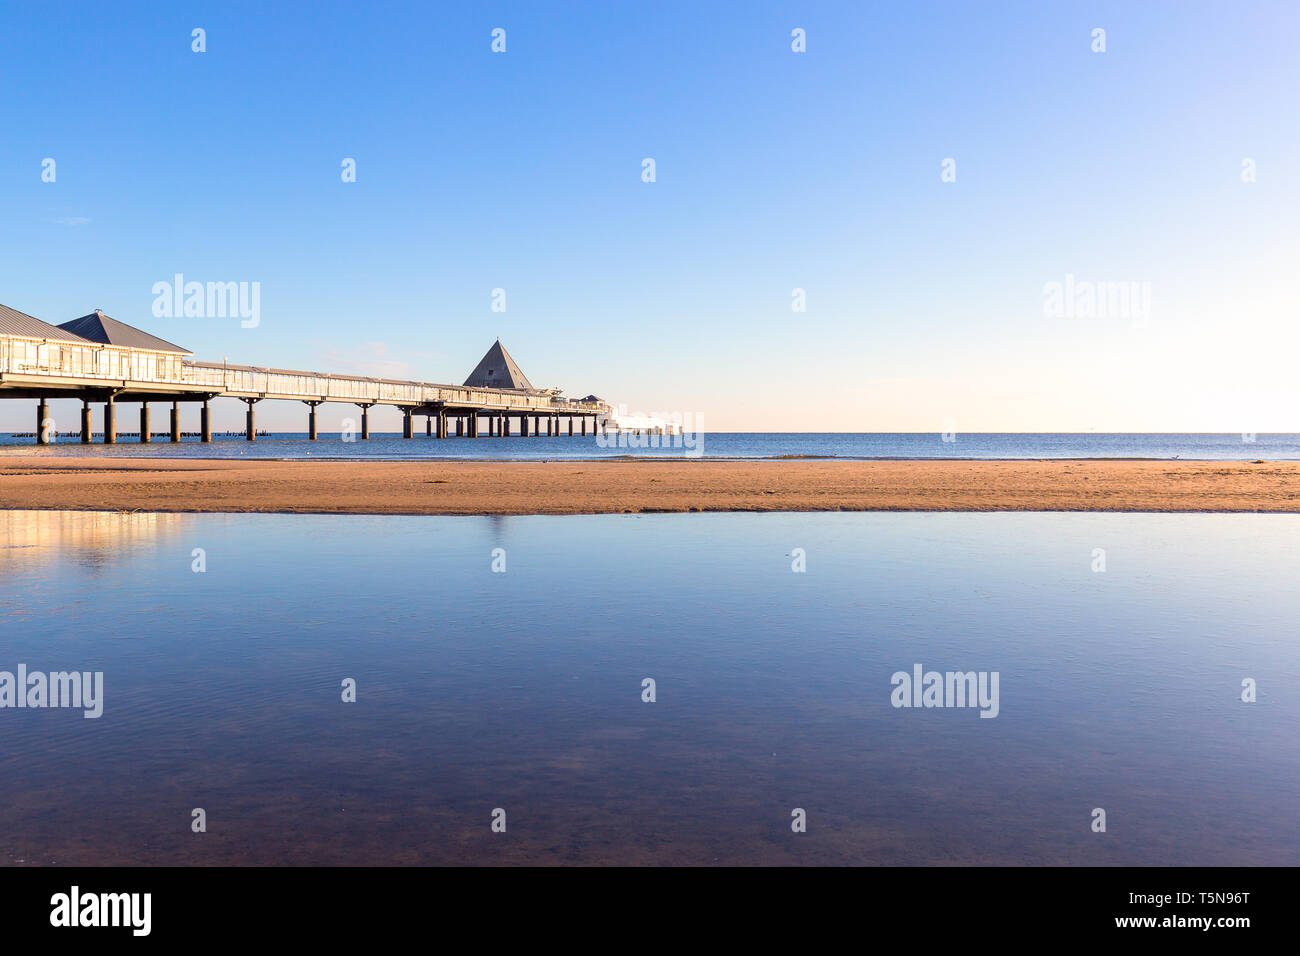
(644, 486)
(714, 446)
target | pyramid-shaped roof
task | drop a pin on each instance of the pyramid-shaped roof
(98, 327)
(498, 370)
(22, 325)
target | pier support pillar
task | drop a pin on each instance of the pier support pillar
(492, 426)
(584, 426)
(365, 420)
(42, 423)
(442, 424)
(205, 424)
(85, 422)
(503, 426)
(473, 425)
(145, 437)
(460, 426)
(176, 422)
(523, 426)
(311, 420)
(428, 426)
(110, 422)
(250, 421)
(570, 426)
(406, 423)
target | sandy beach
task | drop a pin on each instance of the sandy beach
(594, 487)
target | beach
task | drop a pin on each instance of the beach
(643, 486)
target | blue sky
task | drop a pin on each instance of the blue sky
(775, 170)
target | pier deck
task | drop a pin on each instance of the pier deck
(42, 361)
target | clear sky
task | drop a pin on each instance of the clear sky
(775, 170)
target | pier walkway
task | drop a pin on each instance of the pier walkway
(102, 361)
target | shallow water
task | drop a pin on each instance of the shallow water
(523, 690)
(1272, 447)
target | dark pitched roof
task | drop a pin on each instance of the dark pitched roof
(498, 370)
(98, 327)
(13, 322)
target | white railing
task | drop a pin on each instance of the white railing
(73, 360)
(242, 380)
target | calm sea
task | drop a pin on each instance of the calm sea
(522, 688)
(1233, 447)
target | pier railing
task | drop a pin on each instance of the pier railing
(246, 381)
(73, 365)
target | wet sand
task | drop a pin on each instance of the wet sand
(594, 487)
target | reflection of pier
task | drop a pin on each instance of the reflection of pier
(99, 360)
(99, 538)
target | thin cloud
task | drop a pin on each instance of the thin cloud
(373, 359)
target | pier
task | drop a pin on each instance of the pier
(104, 362)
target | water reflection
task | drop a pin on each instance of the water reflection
(522, 689)
(92, 539)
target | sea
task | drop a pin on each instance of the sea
(751, 445)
